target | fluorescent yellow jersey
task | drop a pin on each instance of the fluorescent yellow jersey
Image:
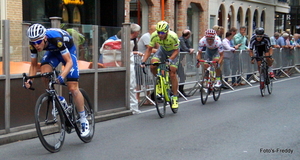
(170, 43)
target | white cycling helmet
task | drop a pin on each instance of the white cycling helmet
(36, 31)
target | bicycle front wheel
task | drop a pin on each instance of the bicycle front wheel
(160, 100)
(262, 78)
(89, 112)
(205, 88)
(49, 123)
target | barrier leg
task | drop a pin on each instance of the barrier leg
(226, 83)
(181, 95)
(195, 88)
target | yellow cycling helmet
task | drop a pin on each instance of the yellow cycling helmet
(162, 26)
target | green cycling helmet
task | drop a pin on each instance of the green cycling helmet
(162, 26)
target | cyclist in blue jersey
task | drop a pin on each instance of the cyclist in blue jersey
(59, 47)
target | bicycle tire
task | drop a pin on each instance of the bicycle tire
(52, 132)
(160, 100)
(205, 89)
(262, 76)
(216, 93)
(169, 92)
(89, 112)
(269, 84)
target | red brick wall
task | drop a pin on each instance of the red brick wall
(154, 14)
(14, 14)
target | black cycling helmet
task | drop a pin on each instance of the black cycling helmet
(259, 31)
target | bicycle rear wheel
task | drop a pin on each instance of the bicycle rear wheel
(169, 92)
(49, 123)
(160, 101)
(269, 84)
(89, 112)
(217, 93)
(205, 88)
(262, 78)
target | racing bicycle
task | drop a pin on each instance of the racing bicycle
(265, 80)
(162, 88)
(208, 81)
(53, 119)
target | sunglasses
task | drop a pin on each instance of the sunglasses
(161, 32)
(36, 42)
(259, 36)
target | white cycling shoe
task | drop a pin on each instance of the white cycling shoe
(85, 128)
(218, 83)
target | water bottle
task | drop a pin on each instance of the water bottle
(64, 103)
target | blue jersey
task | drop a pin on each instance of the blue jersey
(59, 42)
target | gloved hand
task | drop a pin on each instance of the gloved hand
(143, 64)
(60, 79)
(169, 61)
(218, 65)
(28, 84)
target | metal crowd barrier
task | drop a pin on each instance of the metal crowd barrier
(241, 68)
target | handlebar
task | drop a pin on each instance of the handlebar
(50, 75)
(206, 61)
(154, 64)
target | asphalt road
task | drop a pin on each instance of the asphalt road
(242, 125)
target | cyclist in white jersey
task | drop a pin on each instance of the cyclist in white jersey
(214, 52)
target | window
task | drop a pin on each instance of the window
(76, 15)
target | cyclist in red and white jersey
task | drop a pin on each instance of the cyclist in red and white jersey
(214, 52)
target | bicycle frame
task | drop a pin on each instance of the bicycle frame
(164, 75)
(53, 119)
(263, 71)
(208, 81)
(52, 92)
(210, 72)
(162, 90)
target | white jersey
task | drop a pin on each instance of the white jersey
(216, 45)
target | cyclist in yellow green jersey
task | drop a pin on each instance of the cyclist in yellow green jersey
(168, 50)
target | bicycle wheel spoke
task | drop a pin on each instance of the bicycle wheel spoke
(49, 123)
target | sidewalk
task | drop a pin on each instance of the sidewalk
(30, 132)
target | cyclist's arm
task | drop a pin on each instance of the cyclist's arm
(32, 70)
(68, 66)
(251, 53)
(221, 57)
(174, 54)
(33, 67)
(147, 53)
(270, 52)
(199, 55)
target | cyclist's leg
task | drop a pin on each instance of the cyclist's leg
(73, 87)
(157, 57)
(173, 77)
(270, 62)
(48, 62)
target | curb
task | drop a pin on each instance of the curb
(31, 133)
